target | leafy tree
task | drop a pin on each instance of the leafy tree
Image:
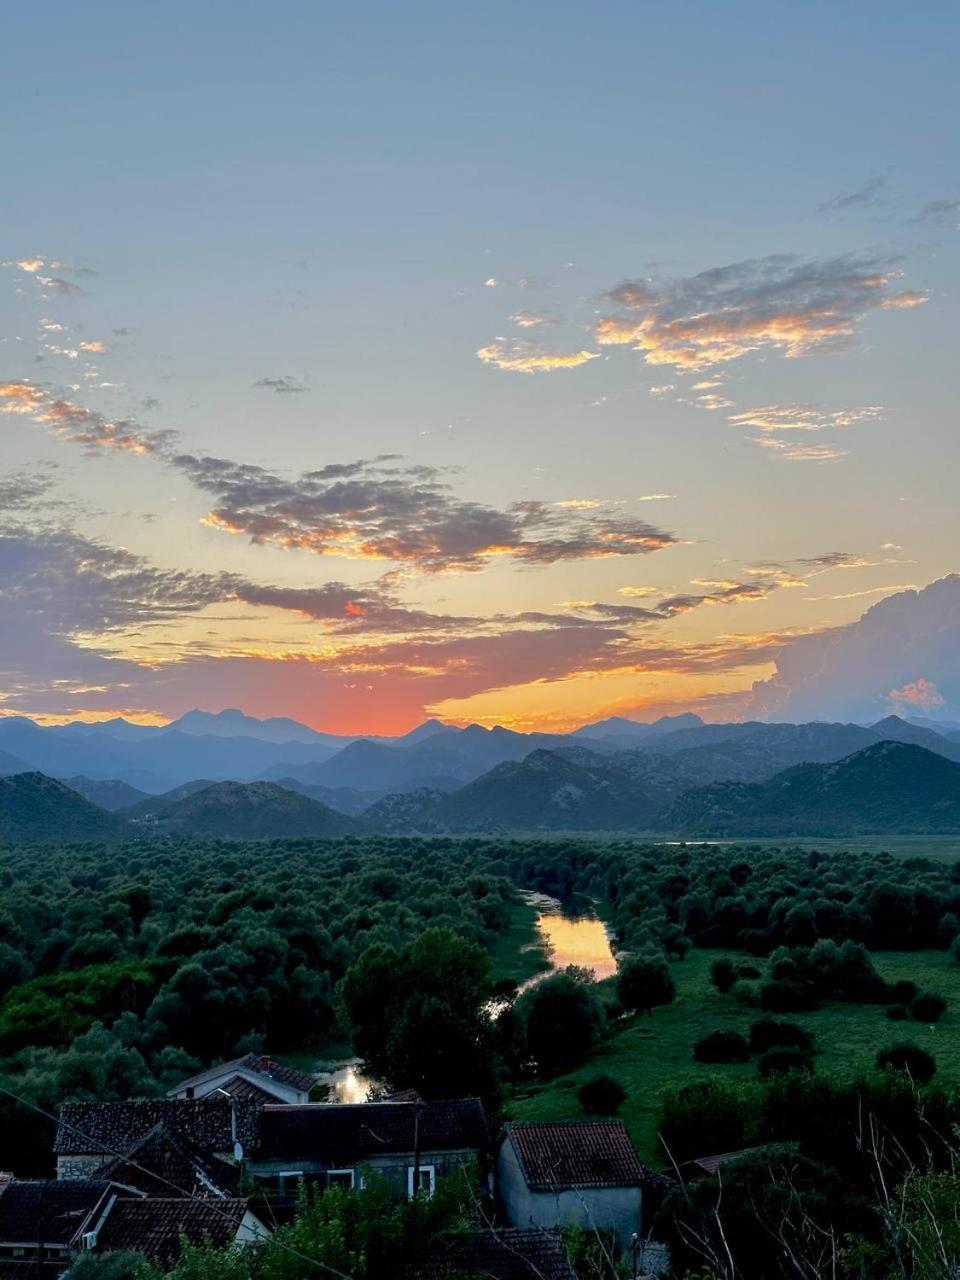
(767, 1033)
(417, 1016)
(644, 981)
(562, 1018)
(723, 974)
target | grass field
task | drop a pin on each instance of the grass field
(653, 1051)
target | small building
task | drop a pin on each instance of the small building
(41, 1218)
(157, 1227)
(254, 1077)
(503, 1253)
(572, 1173)
(411, 1144)
(91, 1133)
(703, 1168)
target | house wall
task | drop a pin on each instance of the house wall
(392, 1168)
(609, 1208)
(251, 1230)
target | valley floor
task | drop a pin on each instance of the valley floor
(655, 1051)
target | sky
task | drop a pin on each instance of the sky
(520, 364)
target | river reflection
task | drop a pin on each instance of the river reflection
(348, 1083)
(580, 940)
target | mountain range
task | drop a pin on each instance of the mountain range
(697, 781)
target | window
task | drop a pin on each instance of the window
(288, 1182)
(340, 1178)
(426, 1182)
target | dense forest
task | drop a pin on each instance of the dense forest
(122, 968)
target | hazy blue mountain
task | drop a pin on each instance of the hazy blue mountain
(232, 723)
(108, 793)
(35, 809)
(10, 764)
(429, 729)
(248, 811)
(887, 788)
(624, 730)
(118, 728)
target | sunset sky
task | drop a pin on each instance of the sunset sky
(519, 363)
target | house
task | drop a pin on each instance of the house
(410, 1143)
(164, 1163)
(504, 1253)
(40, 1219)
(561, 1174)
(157, 1227)
(90, 1133)
(703, 1168)
(45, 1224)
(254, 1076)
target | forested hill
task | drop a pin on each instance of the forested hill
(891, 788)
(34, 807)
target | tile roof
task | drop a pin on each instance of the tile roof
(47, 1210)
(241, 1087)
(162, 1162)
(347, 1133)
(508, 1253)
(259, 1063)
(153, 1226)
(109, 1128)
(710, 1164)
(592, 1153)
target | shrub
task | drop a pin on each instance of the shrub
(747, 993)
(644, 981)
(722, 1046)
(902, 992)
(927, 1007)
(913, 1061)
(767, 1033)
(602, 1095)
(781, 996)
(723, 975)
(562, 1018)
(898, 1012)
(779, 1061)
(745, 970)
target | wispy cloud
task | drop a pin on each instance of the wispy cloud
(791, 451)
(871, 193)
(287, 385)
(521, 357)
(775, 417)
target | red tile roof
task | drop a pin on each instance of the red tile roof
(506, 1253)
(593, 1153)
(342, 1134)
(154, 1226)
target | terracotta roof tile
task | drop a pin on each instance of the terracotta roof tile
(163, 1162)
(593, 1153)
(108, 1128)
(153, 1226)
(508, 1253)
(47, 1209)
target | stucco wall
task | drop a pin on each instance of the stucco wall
(613, 1208)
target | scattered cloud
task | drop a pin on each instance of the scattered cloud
(378, 509)
(940, 211)
(77, 423)
(655, 497)
(287, 385)
(790, 451)
(778, 303)
(920, 693)
(522, 357)
(871, 193)
(775, 417)
(529, 319)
